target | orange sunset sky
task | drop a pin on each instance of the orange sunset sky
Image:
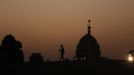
(42, 25)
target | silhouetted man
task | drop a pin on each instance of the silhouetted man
(62, 51)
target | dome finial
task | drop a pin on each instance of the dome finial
(89, 27)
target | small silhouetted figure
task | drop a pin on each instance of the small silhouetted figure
(62, 51)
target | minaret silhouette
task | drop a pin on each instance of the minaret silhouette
(89, 27)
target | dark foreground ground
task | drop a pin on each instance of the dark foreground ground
(99, 67)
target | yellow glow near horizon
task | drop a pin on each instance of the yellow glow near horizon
(130, 58)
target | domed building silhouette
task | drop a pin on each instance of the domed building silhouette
(88, 47)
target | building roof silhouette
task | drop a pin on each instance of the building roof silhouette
(36, 58)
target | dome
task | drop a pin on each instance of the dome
(88, 47)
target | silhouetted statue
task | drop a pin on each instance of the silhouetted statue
(36, 58)
(62, 51)
(88, 47)
(10, 49)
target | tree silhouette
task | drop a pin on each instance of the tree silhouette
(11, 50)
(2, 55)
(19, 52)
